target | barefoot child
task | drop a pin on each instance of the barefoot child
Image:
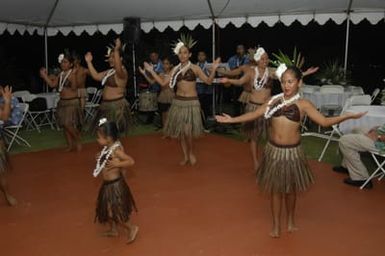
(284, 170)
(115, 201)
(5, 111)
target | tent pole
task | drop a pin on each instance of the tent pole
(348, 11)
(213, 50)
(213, 59)
(46, 52)
(347, 44)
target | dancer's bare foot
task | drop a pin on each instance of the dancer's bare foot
(256, 166)
(275, 232)
(11, 200)
(184, 162)
(110, 233)
(193, 159)
(132, 234)
(79, 147)
(69, 149)
(291, 227)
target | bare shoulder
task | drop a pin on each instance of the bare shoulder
(305, 104)
(195, 67)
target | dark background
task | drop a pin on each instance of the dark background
(21, 56)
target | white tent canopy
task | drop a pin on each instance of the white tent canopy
(77, 16)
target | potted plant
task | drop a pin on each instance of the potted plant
(332, 72)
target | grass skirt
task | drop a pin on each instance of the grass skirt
(254, 129)
(184, 118)
(244, 97)
(166, 96)
(82, 93)
(4, 159)
(115, 202)
(69, 113)
(117, 111)
(284, 169)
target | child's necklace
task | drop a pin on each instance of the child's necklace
(105, 153)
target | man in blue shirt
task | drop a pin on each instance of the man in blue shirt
(155, 87)
(205, 92)
(16, 112)
(158, 68)
(239, 59)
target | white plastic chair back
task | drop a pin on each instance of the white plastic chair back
(332, 89)
(23, 95)
(360, 100)
(92, 90)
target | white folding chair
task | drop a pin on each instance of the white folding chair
(90, 107)
(358, 100)
(380, 171)
(39, 114)
(375, 94)
(12, 131)
(91, 91)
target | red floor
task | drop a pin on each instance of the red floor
(211, 209)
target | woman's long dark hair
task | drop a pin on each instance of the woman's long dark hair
(296, 71)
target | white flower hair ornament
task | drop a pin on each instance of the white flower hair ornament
(109, 50)
(258, 54)
(60, 58)
(177, 47)
(280, 70)
(102, 121)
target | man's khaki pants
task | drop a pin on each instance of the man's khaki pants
(351, 145)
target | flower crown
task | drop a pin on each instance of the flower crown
(111, 47)
(280, 70)
(258, 54)
(184, 40)
(62, 55)
(102, 121)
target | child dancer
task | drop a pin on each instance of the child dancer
(284, 170)
(115, 201)
(5, 111)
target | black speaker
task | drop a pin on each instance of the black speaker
(131, 30)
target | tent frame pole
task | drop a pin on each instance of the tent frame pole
(46, 37)
(213, 59)
(213, 52)
(46, 52)
(347, 38)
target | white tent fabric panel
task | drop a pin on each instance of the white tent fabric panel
(90, 16)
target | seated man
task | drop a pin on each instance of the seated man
(350, 146)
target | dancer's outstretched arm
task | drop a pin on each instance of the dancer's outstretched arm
(162, 81)
(320, 119)
(98, 76)
(242, 118)
(121, 73)
(202, 76)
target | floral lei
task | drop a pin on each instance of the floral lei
(106, 154)
(270, 112)
(176, 72)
